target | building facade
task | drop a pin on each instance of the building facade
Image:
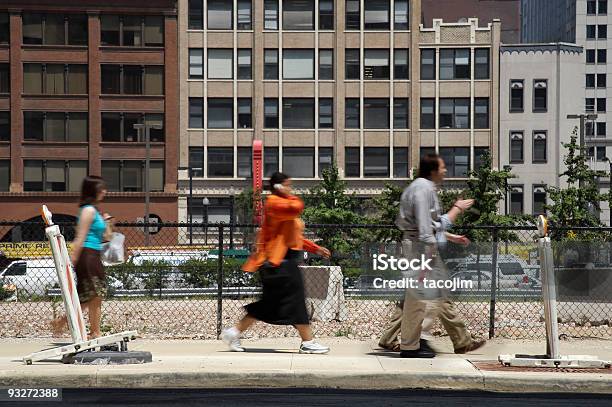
(538, 87)
(74, 79)
(359, 83)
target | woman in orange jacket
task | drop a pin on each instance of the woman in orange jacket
(279, 245)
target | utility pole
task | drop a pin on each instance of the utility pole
(583, 118)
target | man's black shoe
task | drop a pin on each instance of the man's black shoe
(425, 346)
(418, 353)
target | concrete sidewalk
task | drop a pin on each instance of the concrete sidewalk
(351, 364)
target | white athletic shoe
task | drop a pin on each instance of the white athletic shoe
(313, 347)
(231, 336)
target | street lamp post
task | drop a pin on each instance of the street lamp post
(205, 203)
(146, 127)
(582, 117)
(190, 200)
(507, 168)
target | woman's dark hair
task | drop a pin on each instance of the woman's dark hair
(429, 163)
(92, 185)
(277, 178)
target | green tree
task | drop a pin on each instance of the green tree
(387, 205)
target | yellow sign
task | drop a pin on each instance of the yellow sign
(25, 250)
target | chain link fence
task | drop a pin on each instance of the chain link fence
(187, 282)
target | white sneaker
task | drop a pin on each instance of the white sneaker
(313, 347)
(231, 336)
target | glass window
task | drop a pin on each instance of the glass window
(481, 113)
(457, 160)
(196, 161)
(5, 126)
(401, 15)
(129, 132)
(298, 15)
(55, 176)
(5, 175)
(400, 162)
(245, 162)
(326, 159)
(32, 78)
(351, 109)
(590, 56)
(298, 113)
(602, 6)
(196, 113)
(196, 63)
(55, 126)
(244, 15)
(539, 147)
(33, 126)
(376, 14)
(132, 80)
(220, 14)
(220, 63)
(428, 64)
(454, 63)
(111, 172)
(353, 15)
(376, 162)
(155, 135)
(270, 161)
(601, 105)
(77, 79)
(5, 81)
(32, 28)
(33, 175)
(132, 31)
(376, 64)
(220, 162)
(516, 200)
(244, 113)
(601, 80)
(400, 64)
(539, 199)
(540, 91)
(400, 113)
(271, 64)
(111, 79)
(591, 7)
(602, 31)
(132, 176)
(298, 162)
(220, 113)
(455, 113)
(244, 64)
(602, 56)
(326, 15)
(326, 115)
(154, 31)
(516, 95)
(479, 153)
(589, 104)
(352, 161)
(4, 28)
(111, 126)
(352, 63)
(601, 129)
(376, 113)
(54, 79)
(481, 63)
(326, 64)
(298, 64)
(156, 176)
(428, 113)
(77, 171)
(109, 30)
(271, 113)
(590, 80)
(590, 31)
(516, 147)
(77, 29)
(271, 14)
(196, 13)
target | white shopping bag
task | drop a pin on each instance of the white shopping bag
(112, 251)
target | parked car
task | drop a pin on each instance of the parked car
(32, 276)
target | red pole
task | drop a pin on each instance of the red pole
(257, 181)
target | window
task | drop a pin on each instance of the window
(454, 64)
(298, 113)
(516, 200)
(455, 113)
(154, 31)
(400, 64)
(5, 78)
(220, 15)
(196, 161)
(326, 64)
(539, 199)
(244, 15)
(601, 153)
(539, 147)
(428, 64)
(196, 113)
(4, 28)
(376, 162)
(271, 14)
(220, 162)
(590, 56)
(601, 105)
(352, 162)
(326, 113)
(55, 79)
(351, 109)
(53, 176)
(590, 80)
(481, 113)
(589, 104)
(516, 95)
(401, 15)
(376, 64)
(601, 129)
(271, 64)
(298, 64)
(353, 16)
(376, 14)
(135, 79)
(5, 175)
(326, 159)
(270, 161)
(400, 113)
(400, 162)
(244, 64)
(132, 31)
(516, 147)
(602, 6)
(196, 13)
(376, 113)
(601, 80)
(479, 154)
(352, 63)
(602, 56)
(245, 162)
(5, 126)
(326, 14)
(128, 175)
(220, 113)
(196, 63)
(590, 31)
(119, 127)
(540, 98)
(55, 126)
(428, 113)
(298, 15)
(132, 80)
(481, 63)
(54, 29)
(457, 160)
(271, 113)
(298, 162)
(220, 63)
(602, 31)
(244, 113)
(591, 7)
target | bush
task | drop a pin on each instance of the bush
(125, 273)
(199, 273)
(154, 274)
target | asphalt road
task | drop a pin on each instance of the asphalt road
(312, 397)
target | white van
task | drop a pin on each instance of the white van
(31, 276)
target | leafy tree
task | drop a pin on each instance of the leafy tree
(387, 205)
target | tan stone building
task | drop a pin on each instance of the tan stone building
(361, 83)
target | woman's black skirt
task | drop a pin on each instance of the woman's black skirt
(282, 301)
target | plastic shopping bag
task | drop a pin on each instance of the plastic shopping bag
(112, 251)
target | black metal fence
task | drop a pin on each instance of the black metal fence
(187, 282)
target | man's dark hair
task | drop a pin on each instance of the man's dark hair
(277, 178)
(429, 163)
(90, 188)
